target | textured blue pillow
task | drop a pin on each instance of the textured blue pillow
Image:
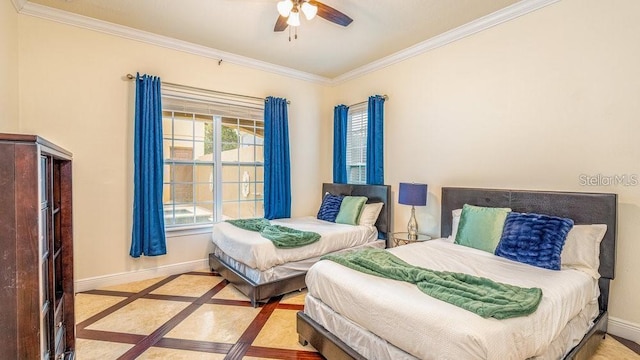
(534, 239)
(330, 207)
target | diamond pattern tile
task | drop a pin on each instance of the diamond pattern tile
(188, 285)
(142, 316)
(216, 323)
(188, 316)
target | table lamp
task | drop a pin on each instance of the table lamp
(414, 195)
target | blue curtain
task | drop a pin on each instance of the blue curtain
(277, 177)
(148, 237)
(375, 140)
(340, 113)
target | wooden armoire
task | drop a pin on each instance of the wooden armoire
(36, 246)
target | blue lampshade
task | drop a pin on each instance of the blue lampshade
(413, 194)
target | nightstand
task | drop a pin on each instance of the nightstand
(402, 238)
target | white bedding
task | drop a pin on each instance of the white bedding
(251, 249)
(428, 328)
(279, 272)
(372, 346)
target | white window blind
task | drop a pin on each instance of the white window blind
(357, 144)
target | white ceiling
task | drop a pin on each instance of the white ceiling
(380, 28)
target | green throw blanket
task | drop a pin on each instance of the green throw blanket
(250, 224)
(476, 294)
(281, 236)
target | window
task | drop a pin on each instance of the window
(357, 144)
(213, 158)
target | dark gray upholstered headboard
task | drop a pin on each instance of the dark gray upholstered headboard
(582, 208)
(374, 193)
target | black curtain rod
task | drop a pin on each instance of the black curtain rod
(385, 97)
(132, 77)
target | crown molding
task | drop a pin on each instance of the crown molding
(510, 12)
(18, 4)
(85, 22)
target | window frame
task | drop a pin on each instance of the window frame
(214, 107)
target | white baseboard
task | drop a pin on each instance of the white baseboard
(624, 329)
(138, 275)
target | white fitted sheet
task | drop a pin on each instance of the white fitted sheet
(427, 328)
(251, 249)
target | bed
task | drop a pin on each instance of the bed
(260, 279)
(339, 331)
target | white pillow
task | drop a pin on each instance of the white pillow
(581, 250)
(454, 222)
(369, 214)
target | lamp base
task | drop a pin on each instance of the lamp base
(412, 226)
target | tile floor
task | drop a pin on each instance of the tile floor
(188, 316)
(196, 316)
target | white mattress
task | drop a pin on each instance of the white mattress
(427, 328)
(372, 346)
(282, 271)
(251, 249)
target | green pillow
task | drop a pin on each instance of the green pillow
(481, 227)
(350, 210)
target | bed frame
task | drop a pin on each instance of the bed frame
(583, 208)
(264, 291)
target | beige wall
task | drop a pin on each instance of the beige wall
(9, 121)
(529, 104)
(73, 93)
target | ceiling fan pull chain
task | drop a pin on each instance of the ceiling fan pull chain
(289, 33)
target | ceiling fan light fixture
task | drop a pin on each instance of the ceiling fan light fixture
(294, 18)
(309, 10)
(284, 7)
(289, 14)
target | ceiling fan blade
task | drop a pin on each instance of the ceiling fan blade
(281, 23)
(331, 14)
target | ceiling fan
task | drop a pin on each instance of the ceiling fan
(289, 11)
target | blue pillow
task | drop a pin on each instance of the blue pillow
(330, 207)
(534, 239)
